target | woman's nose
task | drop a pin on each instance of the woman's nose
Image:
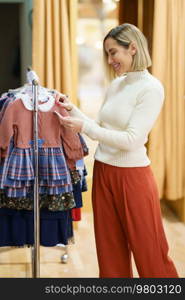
(110, 60)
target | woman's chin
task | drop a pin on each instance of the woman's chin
(119, 73)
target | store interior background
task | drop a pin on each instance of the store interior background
(94, 20)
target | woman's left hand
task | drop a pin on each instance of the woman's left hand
(70, 122)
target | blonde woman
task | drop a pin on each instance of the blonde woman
(127, 216)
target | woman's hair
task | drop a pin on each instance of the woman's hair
(125, 34)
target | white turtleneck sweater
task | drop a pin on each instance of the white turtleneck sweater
(132, 104)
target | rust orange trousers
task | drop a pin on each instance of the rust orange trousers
(127, 218)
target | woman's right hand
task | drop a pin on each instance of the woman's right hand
(63, 101)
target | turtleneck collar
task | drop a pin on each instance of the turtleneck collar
(132, 76)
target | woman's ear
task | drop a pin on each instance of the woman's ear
(132, 48)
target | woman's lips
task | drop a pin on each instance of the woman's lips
(116, 66)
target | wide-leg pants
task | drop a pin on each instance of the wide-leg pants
(127, 218)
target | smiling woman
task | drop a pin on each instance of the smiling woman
(125, 199)
(118, 57)
(120, 50)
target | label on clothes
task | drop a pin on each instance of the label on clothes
(40, 143)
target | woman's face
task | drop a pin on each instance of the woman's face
(118, 56)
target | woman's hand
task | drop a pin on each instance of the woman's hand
(69, 122)
(63, 101)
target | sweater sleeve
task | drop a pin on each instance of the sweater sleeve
(142, 120)
(77, 113)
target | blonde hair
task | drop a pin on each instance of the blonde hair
(125, 34)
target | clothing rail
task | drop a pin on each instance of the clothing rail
(36, 246)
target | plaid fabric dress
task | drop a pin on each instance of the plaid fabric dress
(17, 179)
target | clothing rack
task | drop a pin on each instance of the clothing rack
(33, 80)
(35, 249)
(36, 246)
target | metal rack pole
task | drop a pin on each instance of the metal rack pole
(36, 247)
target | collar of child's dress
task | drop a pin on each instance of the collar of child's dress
(28, 102)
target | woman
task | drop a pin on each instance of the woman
(126, 206)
